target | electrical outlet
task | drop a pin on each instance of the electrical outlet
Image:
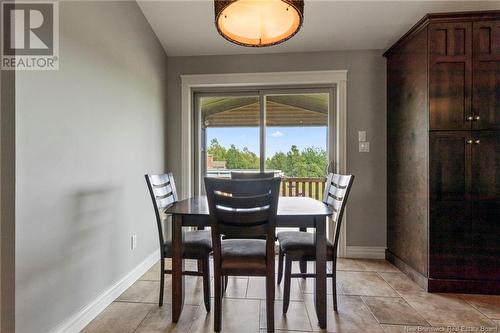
(364, 147)
(133, 242)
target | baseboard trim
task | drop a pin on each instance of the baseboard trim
(365, 252)
(79, 320)
(412, 273)
(464, 286)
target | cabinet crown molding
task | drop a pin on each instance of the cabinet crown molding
(443, 17)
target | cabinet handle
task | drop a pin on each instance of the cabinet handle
(477, 118)
(469, 141)
(477, 142)
(469, 118)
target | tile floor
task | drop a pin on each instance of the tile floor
(373, 297)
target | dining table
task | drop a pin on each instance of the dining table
(293, 212)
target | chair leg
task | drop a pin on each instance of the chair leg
(199, 265)
(270, 301)
(303, 263)
(303, 267)
(281, 257)
(206, 282)
(288, 278)
(334, 283)
(162, 280)
(217, 301)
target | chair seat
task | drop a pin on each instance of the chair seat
(197, 244)
(300, 244)
(243, 255)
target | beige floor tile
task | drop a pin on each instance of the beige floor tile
(296, 318)
(236, 287)
(353, 316)
(373, 291)
(307, 285)
(402, 284)
(159, 320)
(364, 284)
(238, 316)
(153, 274)
(148, 291)
(142, 291)
(489, 305)
(346, 264)
(393, 310)
(284, 331)
(193, 292)
(402, 328)
(376, 266)
(296, 269)
(447, 310)
(119, 318)
(257, 289)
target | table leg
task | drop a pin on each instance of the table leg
(320, 281)
(177, 268)
(303, 263)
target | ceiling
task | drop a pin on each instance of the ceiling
(186, 27)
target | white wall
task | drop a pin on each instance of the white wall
(85, 136)
(366, 110)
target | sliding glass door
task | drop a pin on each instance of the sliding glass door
(284, 131)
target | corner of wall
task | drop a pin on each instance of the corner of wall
(7, 201)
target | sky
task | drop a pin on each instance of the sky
(278, 138)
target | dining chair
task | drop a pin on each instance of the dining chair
(243, 218)
(300, 245)
(251, 175)
(196, 245)
(246, 175)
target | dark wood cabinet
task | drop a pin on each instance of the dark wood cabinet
(450, 79)
(486, 75)
(485, 192)
(450, 204)
(444, 142)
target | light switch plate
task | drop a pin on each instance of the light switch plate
(364, 147)
(361, 136)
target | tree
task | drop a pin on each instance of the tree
(235, 158)
(216, 150)
(277, 162)
(310, 162)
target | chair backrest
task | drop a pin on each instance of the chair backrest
(337, 190)
(163, 194)
(237, 215)
(251, 175)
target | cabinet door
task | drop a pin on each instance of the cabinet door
(486, 75)
(450, 79)
(486, 205)
(450, 241)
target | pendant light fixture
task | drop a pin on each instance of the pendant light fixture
(258, 23)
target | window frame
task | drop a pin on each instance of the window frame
(199, 144)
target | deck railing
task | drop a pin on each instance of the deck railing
(312, 187)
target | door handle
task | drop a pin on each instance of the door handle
(469, 118)
(477, 142)
(477, 118)
(469, 141)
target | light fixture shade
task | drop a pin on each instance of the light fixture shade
(258, 23)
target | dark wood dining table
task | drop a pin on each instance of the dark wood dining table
(294, 212)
